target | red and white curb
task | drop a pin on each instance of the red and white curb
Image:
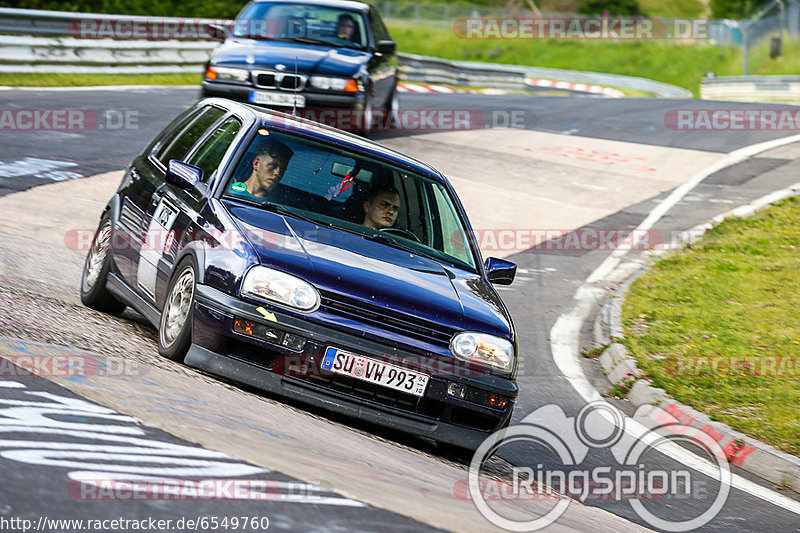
(582, 87)
(417, 88)
(534, 82)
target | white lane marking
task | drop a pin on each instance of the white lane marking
(565, 334)
(39, 168)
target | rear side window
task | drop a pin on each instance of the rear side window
(210, 153)
(181, 145)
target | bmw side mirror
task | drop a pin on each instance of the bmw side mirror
(186, 176)
(500, 272)
(385, 47)
(218, 32)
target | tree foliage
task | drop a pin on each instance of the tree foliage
(613, 7)
(155, 8)
(736, 9)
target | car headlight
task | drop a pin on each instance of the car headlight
(278, 287)
(334, 84)
(227, 74)
(483, 349)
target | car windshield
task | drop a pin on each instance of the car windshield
(352, 192)
(305, 23)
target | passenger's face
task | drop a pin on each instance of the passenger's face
(268, 171)
(382, 211)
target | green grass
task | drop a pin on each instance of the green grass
(674, 9)
(683, 65)
(82, 80)
(734, 297)
(679, 64)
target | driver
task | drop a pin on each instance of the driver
(381, 207)
(345, 27)
(268, 166)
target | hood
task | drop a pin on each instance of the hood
(311, 59)
(379, 275)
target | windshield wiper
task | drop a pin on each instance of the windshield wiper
(282, 210)
(383, 238)
(309, 40)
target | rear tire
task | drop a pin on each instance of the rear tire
(175, 326)
(94, 293)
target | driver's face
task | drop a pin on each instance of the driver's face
(345, 29)
(382, 211)
(268, 171)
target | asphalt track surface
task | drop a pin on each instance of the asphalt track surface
(548, 281)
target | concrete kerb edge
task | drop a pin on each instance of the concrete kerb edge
(749, 454)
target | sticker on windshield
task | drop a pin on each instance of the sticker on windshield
(340, 187)
(239, 187)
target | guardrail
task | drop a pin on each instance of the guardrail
(751, 88)
(62, 54)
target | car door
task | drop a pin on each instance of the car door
(157, 215)
(190, 222)
(137, 187)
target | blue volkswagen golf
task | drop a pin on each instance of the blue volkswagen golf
(313, 264)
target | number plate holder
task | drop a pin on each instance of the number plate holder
(374, 371)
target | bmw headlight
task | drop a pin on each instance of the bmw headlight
(334, 84)
(278, 287)
(483, 349)
(241, 75)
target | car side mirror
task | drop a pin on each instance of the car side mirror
(186, 176)
(500, 272)
(386, 47)
(218, 32)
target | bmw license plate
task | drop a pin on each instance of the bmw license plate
(367, 369)
(273, 98)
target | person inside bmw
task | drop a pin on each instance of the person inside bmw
(381, 207)
(345, 27)
(269, 164)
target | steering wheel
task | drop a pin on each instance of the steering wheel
(401, 233)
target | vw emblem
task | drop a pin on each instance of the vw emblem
(280, 66)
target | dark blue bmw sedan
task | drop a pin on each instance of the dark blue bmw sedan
(321, 54)
(313, 264)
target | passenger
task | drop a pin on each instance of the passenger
(381, 207)
(269, 164)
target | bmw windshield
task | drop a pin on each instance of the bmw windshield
(305, 23)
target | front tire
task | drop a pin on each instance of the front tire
(94, 293)
(175, 327)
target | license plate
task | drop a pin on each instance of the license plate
(271, 98)
(374, 371)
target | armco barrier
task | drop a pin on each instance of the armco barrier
(752, 88)
(28, 50)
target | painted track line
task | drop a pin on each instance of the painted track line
(565, 333)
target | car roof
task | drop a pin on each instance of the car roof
(290, 124)
(348, 4)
